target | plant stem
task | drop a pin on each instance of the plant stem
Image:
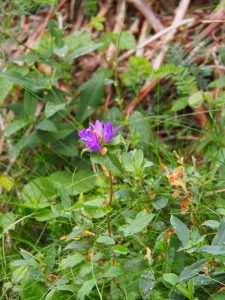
(110, 189)
(110, 202)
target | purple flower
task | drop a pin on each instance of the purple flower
(96, 134)
(109, 132)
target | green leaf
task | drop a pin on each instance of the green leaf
(7, 220)
(181, 230)
(47, 125)
(16, 126)
(138, 71)
(146, 283)
(83, 51)
(219, 83)
(52, 108)
(33, 290)
(219, 238)
(5, 88)
(218, 296)
(120, 249)
(137, 225)
(66, 146)
(83, 181)
(71, 260)
(91, 96)
(29, 105)
(6, 182)
(171, 278)
(212, 224)
(179, 104)
(28, 82)
(109, 161)
(107, 240)
(124, 40)
(38, 193)
(213, 250)
(86, 289)
(196, 100)
(140, 129)
(192, 270)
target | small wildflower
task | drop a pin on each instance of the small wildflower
(98, 134)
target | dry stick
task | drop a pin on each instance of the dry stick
(105, 8)
(142, 93)
(180, 12)
(155, 37)
(148, 14)
(179, 15)
(120, 13)
(142, 37)
(205, 33)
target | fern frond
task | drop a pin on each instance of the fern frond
(185, 83)
(165, 71)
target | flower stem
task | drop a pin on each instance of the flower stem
(110, 189)
(110, 202)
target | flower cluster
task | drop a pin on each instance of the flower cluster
(98, 134)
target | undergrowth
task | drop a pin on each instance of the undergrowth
(138, 216)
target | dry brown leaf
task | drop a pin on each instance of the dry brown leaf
(148, 255)
(184, 205)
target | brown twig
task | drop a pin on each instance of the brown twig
(142, 93)
(179, 15)
(155, 37)
(148, 14)
(142, 37)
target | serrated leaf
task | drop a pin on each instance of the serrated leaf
(109, 161)
(71, 260)
(137, 225)
(86, 289)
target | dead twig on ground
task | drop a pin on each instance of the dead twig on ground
(179, 15)
(155, 37)
(147, 12)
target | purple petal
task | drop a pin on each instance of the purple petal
(108, 135)
(90, 139)
(115, 130)
(85, 134)
(98, 127)
(94, 144)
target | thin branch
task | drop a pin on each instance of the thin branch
(148, 14)
(155, 37)
(179, 15)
